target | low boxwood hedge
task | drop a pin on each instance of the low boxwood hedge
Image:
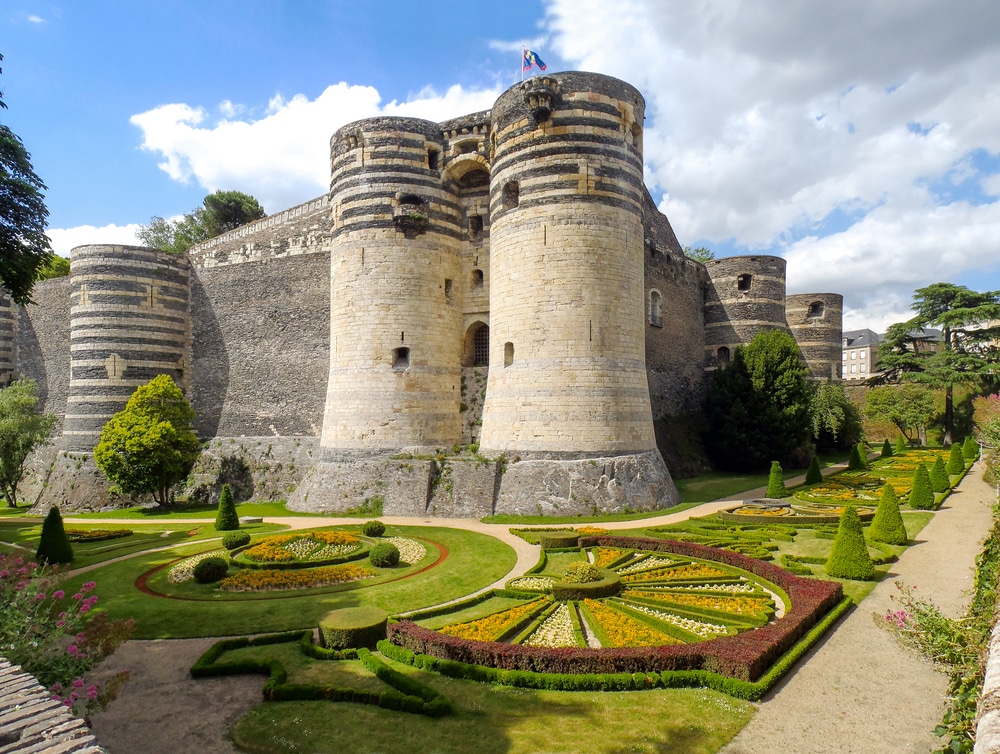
(559, 540)
(362, 552)
(352, 627)
(608, 586)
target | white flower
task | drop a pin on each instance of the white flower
(184, 571)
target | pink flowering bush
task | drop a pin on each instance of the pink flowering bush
(55, 637)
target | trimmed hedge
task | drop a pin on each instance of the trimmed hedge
(815, 474)
(776, 482)
(384, 555)
(921, 494)
(939, 476)
(887, 526)
(886, 449)
(956, 461)
(236, 539)
(558, 540)
(373, 528)
(227, 518)
(609, 585)
(53, 546)
(746, 656)
(970, 450)
(352, 627)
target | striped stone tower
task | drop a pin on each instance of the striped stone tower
(129, 322)
(745, 296)
(567, 374)
(395, 327)
(8, 339)
(817, 321)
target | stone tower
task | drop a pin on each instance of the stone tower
(8, 339)
(816, 322)
(129, 322)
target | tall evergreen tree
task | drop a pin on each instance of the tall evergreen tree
(776, 482)
(900, 444)
(887, 526)
(53, 546)
(849, 558)
(227, 519)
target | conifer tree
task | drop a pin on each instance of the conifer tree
(854, 463)
(849, 558)
(886, 449)
(227, 518)
(956, 461)
(863, 455)
(814, 475)
(776, 482)
(53, 546)
(939, 476)
(921, 494)
(900, 444)
(970, 450)
(887, 526)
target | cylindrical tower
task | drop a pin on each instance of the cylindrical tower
(567, 375)
(129, 322)
(745, 296)
(395, 325)
(8, 339)
(816, 321)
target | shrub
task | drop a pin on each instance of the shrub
(54, 546)
(384, 555)
(970, 450)
(582, 573)
(776, 482)
(228, 519)
(887, 526)
(956, 461)
(608, 585)
(352, 627)
(210, 570)
(849, 557)
(921, 494)
(373, 528)
(900, 444)
(236, 539)
(557, 540)
(939, 476)
(886, 449)
(863, 455)
(815, 474)
(854, 463)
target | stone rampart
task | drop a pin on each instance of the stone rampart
(43, 345)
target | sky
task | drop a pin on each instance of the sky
(859, 140)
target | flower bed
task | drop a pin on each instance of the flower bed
(96, 535)
(532, 583)
(184, 571)
(306, 549)
(273, 580)
(493, 627)
(555, 631)
(411, 551)
(615, 629)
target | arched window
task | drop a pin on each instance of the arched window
(743, 282)
(816, 310)
(722, 355)
(655, 309)
(508, 354)
(477, 278)
(481, 347)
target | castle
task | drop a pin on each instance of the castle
(503, 278)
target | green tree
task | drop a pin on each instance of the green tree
(849, 558)
(886, 449)
(227, 518)
(854, 461)
(921, 493)
(909, 407)
(956, 461)
(699, 254)
(836, 423)
(887, 526)
(22, 429)
(53, 546)
(815, 474)
(939, 476)
(58, 267)
(970, 449)
(24, 247)
(149, 446)
(220, 212)
(970, 328)
(758, 406)
(776, 482)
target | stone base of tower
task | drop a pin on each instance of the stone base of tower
(544, 487)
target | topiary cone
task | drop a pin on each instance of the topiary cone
(854, 463)
(863, 455)
(227, 519)
(956, 461)
(970, 450)
(849, 558)
(814, 475)
(54, 546)
(776, 482)
(887, 526)
(939, 476)
(921, 494)
(900, 444)
(886, 449)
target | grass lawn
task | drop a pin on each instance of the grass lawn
(195, 511)
(507, 518)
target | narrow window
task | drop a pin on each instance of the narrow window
(432, 159)
(449, 290)
(743, 282)
(508, 354)
(655, 309)
(481, 347)
(401, 358)
(411, 199)
(816, 309)
(477, 278)
(475, 226)
(722, 355)
(511, 194)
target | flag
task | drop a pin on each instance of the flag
(530, 60)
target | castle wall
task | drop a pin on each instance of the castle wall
(816, 321)
(43, 344)
(260, 347)
(8, 339)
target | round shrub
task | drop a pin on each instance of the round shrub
(352, 627)
(210, 570)
(373, 528)
(582, 573)
(557, 540)
(236, 539)
(384, 555)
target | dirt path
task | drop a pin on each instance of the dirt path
(859, 692)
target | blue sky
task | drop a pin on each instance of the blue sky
(859, 140)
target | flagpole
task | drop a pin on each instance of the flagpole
(523, 48)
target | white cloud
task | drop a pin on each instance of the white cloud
(814, 131)
(36, 19)
(281, 158)
(64, 239)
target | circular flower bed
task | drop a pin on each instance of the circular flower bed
(305, 549)
(184, 571)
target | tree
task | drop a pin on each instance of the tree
(956, 461)
(814, 475)
(900, 445)
(776, 482)
(921, 494)
(53, 546)
(22, 429)
(836, 424)
(886, 449)
(854, 461)
(909, 407)
(887, 526)
(58, 267)
(227, 518)
(939, 476)
(149, 446)
(849, 558)
(758, 406)
(970, 328)
(699, 254)
(220, 212)
(24, 247)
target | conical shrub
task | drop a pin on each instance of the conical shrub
(956, 461)
(863, 455)
(886, 449)
(54, 546)
(900, 444)
(854, 463)
(814, 475)
(939, 476)
(849, 558)
(776, 482)
(227, 518)
(887, 526)
(921, 494)
(970, 450)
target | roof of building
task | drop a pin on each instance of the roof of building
(861, 338)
